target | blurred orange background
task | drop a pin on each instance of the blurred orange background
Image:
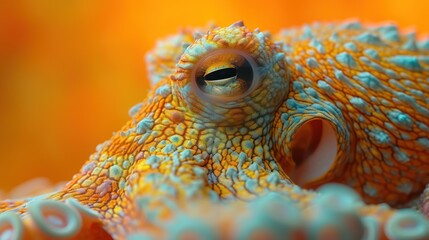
(70, 70)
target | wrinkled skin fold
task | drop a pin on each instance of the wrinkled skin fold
(241, 127)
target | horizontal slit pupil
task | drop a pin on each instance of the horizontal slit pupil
(221, 74)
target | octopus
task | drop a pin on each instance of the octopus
(317, 132)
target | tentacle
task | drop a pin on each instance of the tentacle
(407, 224)
(50, 219)
(7, 205)
(336, 212)
(24, 192)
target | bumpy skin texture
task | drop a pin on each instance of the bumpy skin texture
(226, 155)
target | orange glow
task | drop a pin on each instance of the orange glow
(70, 70)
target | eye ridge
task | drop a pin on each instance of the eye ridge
(221, 74)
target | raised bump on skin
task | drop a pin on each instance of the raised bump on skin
(407, 224)
(257, 228)
(11, 226)
(338, 197)
(335, 208)
(54, 218)
(277, 210)
(330, 224)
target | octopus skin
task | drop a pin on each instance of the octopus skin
(241, 128)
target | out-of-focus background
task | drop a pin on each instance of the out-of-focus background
(70, 70)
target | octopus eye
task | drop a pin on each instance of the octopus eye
(221, 76)
(225, 74)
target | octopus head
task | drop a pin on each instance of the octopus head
(232, 85)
